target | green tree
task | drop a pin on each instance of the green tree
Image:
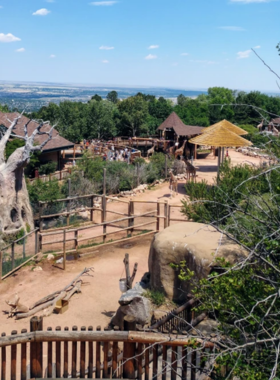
(133, 115)
(112, 96)
(96, 97)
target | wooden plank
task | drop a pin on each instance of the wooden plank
(147, 361)
(3, 360)
(83, 356)
(155, 361)
(23, 364)
(58, 356)
(74, 355)
(90, 356)
(115, 360)
(140, 361)
(14, 359)
(97, 355)
(65, 357)
(193, 368)
(174, 360)
(50, 357)
(164, 362)
(36, 349)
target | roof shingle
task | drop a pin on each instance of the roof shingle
(56, 143)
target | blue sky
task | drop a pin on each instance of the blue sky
(166, 43)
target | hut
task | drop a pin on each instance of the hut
(175, 131)
(220, 137)
(228, 125)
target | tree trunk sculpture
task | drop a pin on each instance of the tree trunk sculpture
(15, 209)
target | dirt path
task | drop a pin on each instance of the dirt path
(99, 297)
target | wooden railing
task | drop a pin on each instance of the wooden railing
(179, 320)
(59, 175)
(101, 354)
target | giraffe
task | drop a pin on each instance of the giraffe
(260, 125)
(191, 171)
(173, 181)
(181, 150)
(151, 151)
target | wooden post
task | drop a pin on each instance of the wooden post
(41, 207)
(104, 216)
(128, 360)
(74, 355)
(14, 359)
(65, 357)
(165, 167)
(58, 356)
(13, 255)
(36, 242)
(158, 216)
(127, 270)
(23, 248)
(104, 181)
(91, 211)
(68, 212)
(76, 240)
(23, 358)
(130, 213)
(219, 158)
(74, 152)
(168, 217)
(166, 213)
(36, 349)
(3, 360)
(64, 249)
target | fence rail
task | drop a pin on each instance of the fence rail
(100, 354)
(59, 175)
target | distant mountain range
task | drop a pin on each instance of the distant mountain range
(32, 96)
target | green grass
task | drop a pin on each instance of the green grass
(157, 298)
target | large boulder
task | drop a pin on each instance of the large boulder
(196, 243)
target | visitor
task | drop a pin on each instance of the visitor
(74, 163)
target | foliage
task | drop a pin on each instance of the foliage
(244, 205)
(48, 168)
(43, 191)
(157, 297)
(112, 96)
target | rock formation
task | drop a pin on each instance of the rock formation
(197, 244)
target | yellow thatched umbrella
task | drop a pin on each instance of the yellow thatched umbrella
(220, 137)
(228, 125)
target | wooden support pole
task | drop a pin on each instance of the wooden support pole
(138, 177)
(158, 216)
(36, 349)
(165, 167)
(13, 255)
(40, 216)
(68, 212)
(76, 240)
(104, 217)
(69, 187)
(104, 181)
(91, 211)
(64, 249)
(166, 214)
(14, 359)
(23, 364)
(36, 242)
(128, 360)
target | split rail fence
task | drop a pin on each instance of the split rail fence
(102, 354)
(59, 175)
(102, 225)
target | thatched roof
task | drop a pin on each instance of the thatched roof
(228, 125)
(220, 136)
(55, 144)
(276, 121)
(181, 129)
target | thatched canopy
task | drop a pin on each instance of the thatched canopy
(228, 125)
(221, 137)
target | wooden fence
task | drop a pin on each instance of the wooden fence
(102, 354)
(59, 175)
(65, 241)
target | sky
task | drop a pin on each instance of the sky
(190, 44)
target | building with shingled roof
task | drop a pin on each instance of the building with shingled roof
(52, 150)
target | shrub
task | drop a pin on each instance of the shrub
(157, 298)
(48, 168)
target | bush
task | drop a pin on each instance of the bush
(157, 298)
(48, 168)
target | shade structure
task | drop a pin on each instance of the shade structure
(228, 125)
(220, 137)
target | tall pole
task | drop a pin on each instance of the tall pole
(104, 181)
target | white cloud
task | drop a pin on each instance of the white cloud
(106, 47)
(151, 56)
(103, 3)
(257, 47)
(52, 56)
(21, 50)
(41, 12)
(250, 1)
(8, 38)
(185, 54)
(105, 61)
(153, 47)
(232, 28)
(244, 54)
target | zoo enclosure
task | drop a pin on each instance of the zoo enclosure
(101, 354)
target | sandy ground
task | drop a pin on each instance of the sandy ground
(100, 294)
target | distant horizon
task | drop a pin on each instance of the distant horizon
(113, 86)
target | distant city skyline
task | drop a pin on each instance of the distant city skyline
(139, 43)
